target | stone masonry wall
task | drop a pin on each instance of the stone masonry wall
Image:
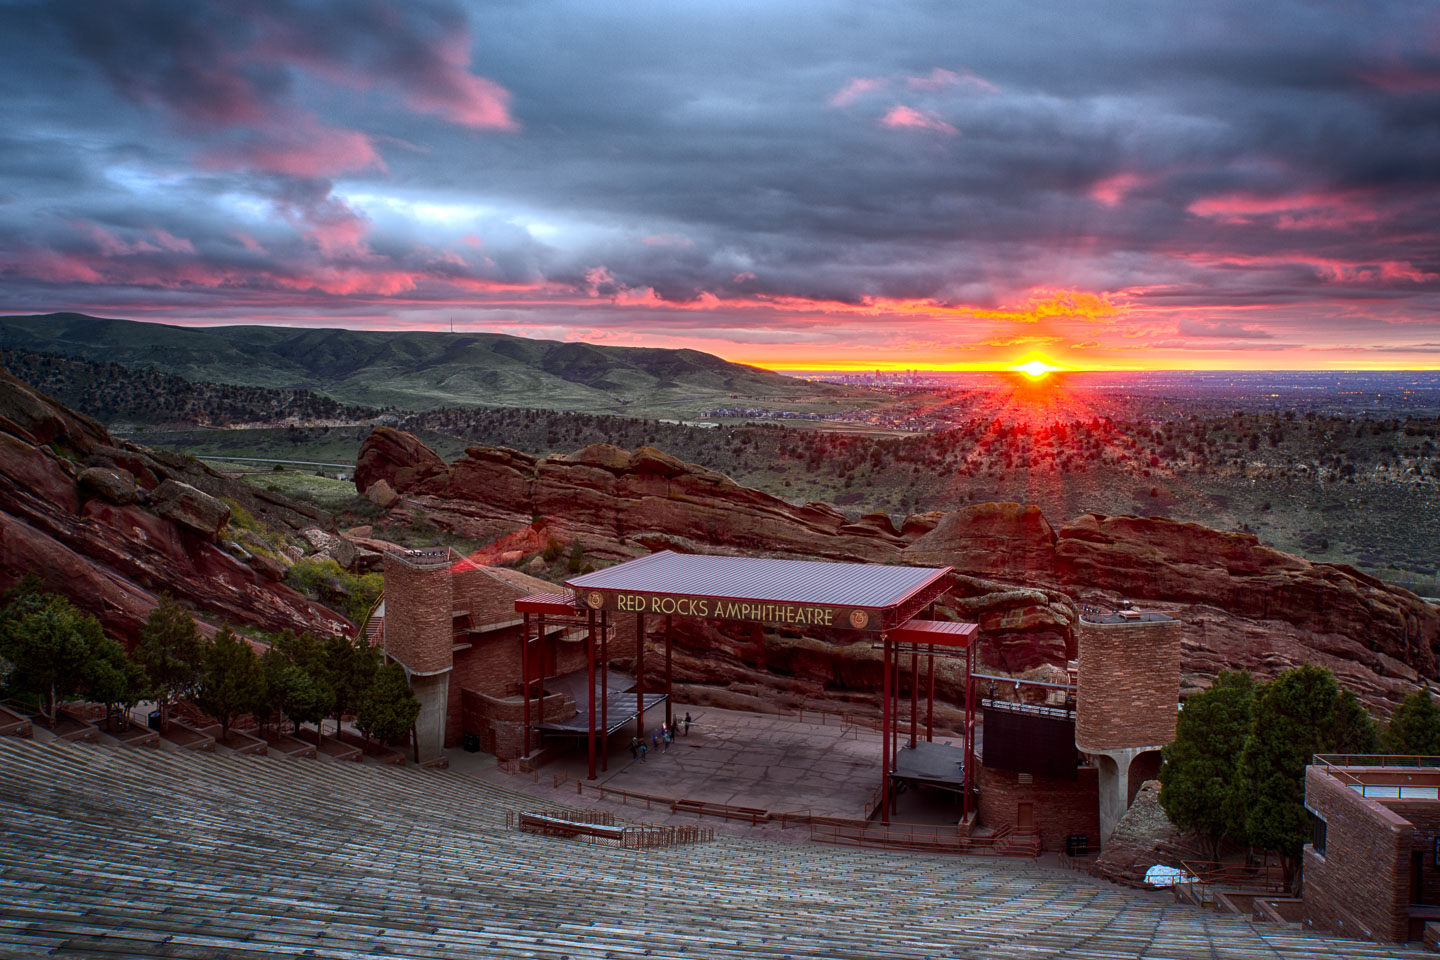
(1424, 816)
(418, 622)
(1061, 807)
(1128, 686)
(499, 723)
(1361, 886)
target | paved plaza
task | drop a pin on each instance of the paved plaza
(775, 763)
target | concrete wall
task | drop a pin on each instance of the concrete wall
(1128, 684)
(1361, 886)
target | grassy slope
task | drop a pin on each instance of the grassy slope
(417, 371)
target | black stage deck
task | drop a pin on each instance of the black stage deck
(619, 703)
(931, 764)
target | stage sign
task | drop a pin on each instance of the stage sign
(720, 608)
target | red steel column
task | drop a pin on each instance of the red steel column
(640, 675)
(669, 684)
(540, 643)
(969, 725)
(885, 735)
(525, 682)
(604, 691)
(590, 674)
(914, 694)
(930, 699)
(895, 726)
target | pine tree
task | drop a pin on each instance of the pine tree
(232, 681)
(112, 678)
(349, 668)
(1198, 788)
(170, 650)
(1414, 728)
(47, 643)
(388, 707)
(1300, 713)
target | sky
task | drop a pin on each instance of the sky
(849, 184)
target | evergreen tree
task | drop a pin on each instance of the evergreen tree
(1300, 713)
(112, 678)
(232, 681)
(47, 643)
(1414, 728)
(171, 651)
(1198, 789)
(349, 667)
(299, 678)
(388, 707)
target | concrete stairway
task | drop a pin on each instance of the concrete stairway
(120, 853)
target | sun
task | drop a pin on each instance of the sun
(1035, 369)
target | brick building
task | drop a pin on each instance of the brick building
(451, 623)
(1372, 869)
(1126, 699)
(1073, 768)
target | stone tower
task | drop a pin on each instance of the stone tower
(1128, 692)
(420, 635)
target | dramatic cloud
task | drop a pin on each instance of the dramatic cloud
(1118, 183)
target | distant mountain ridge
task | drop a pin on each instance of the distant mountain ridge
(411, 371)
(113, 394)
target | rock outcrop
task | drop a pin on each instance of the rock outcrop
(201, 514)
(1246, 605)
(73, 509)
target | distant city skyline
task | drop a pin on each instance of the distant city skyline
(799, 186)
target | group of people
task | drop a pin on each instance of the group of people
(659, 739)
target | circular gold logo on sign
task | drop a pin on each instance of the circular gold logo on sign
(596, 599)
(858, 619)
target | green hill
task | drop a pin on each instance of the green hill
(417, 371)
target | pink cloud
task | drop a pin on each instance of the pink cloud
(1300, 211)
(451, 91)
(903, 117)
(1187, 327)
(247, 241)
(150, 240)
(1327, 269)
(940, 78)
(856, 88)
(298, 145)
(667, 240)
(1110, 191)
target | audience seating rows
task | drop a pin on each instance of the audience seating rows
(124, 853)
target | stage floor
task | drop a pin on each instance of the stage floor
(773, 763)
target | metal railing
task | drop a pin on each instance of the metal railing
(1006, 841)
(1372, 760)
(1259, 878)
(601, 827)
(701, 808)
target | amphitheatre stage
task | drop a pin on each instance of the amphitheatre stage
(133, 853)
(735, 758)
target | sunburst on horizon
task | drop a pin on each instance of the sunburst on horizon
(1035, 369)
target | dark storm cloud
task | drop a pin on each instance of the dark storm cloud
(659, 156)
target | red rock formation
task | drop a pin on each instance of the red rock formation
(1246, 605)
(113, 559)
(1333, 605)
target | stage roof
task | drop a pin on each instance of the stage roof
(855, 596)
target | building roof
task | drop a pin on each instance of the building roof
(764, 589)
